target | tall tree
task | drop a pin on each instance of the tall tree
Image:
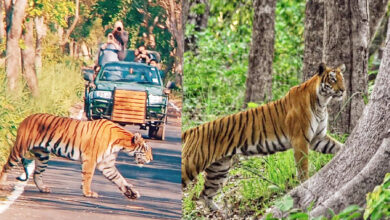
(259, 80)
(2, 33)
(377, 12)
(340, 32)
(28, 57)
(363, 162)
(68, 32)
(15, 11)
(314, 36)
(40, 31)
(346, 41)
(197, 15)
(176, 27)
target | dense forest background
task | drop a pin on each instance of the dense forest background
(221, 51)
(218, 38)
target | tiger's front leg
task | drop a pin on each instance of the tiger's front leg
(326, 144)
(301, 155)
(87, 171)
(107, 167)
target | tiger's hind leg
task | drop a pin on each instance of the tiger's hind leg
(216, 176)
(41, 159)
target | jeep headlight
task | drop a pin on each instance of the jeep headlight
(155, 99)
(103, 94)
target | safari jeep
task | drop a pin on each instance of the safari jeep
(128, 93)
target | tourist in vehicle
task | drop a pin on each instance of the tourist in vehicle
(142, 55)
(122, 37)
(115, 47)
(153, 62)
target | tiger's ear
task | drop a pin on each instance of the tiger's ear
(342, 68)
(136, 138)
(321, 68)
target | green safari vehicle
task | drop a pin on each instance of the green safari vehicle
(128, 93)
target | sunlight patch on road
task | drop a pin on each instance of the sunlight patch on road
(18, 190)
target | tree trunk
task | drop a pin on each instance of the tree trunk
(380, 36)
(259, 80)
(199, 18)
(346, 41)
(2, 30)
(65, 37)
(40, 30)
(174, 9)
(377, 12)
(15, 15)
(363, 162)
(314, 37)
(28, 58)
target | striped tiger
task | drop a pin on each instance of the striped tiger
(298, 121)
(95, 143)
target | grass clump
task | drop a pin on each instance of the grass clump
(60, 86)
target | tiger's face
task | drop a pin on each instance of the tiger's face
(332, 81)
(142, 151)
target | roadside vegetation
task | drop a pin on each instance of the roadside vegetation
(61, 85)
(214, 86)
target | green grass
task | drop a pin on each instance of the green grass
(60, 85)
(254, 184)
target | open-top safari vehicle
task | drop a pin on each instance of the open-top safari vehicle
(128, 92)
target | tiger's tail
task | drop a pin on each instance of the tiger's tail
(11, 162)
(17, 155)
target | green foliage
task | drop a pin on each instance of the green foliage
(288, 55)
(137, 17)
(52, 10)
(286, 206)
(60, 86)
(215, 74)
(378, 201)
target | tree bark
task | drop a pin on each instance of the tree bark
(377, 12)
(28, 58)
(197, 18)
(65, 38)
(259, 80)
(314, 37)
(378, 42)
(15, 15)
(2, 30)
(361, 164)
(346, 41)
(40, 30)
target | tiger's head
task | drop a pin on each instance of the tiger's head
(332, 81)
(141, 150)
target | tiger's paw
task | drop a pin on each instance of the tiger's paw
(91, 194)
(209, 204)
(45, 189)
(131, 194)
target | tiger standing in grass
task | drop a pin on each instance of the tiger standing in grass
(95, 143)
(298, 120)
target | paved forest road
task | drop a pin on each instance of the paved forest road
(158, 182)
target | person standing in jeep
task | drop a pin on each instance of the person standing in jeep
(115, 47)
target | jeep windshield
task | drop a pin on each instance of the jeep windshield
(130, 73)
